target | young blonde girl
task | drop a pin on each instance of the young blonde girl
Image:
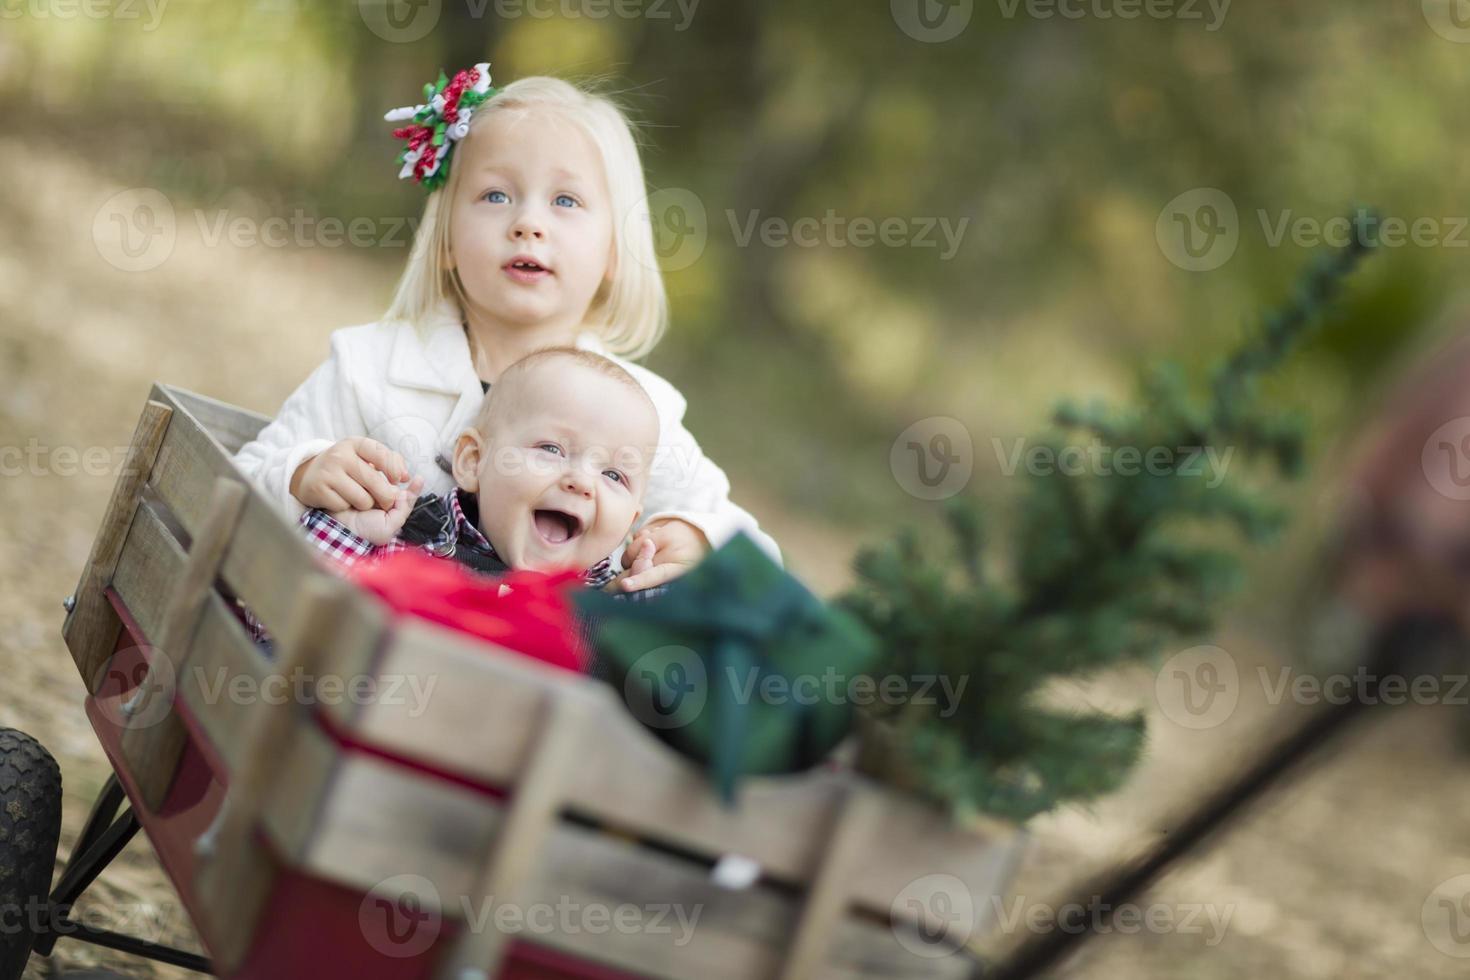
(531, 238)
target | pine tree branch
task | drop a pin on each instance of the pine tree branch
(1093, 581)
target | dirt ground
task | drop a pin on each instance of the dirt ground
(1334, 877)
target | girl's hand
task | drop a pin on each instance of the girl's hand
(642, 562)
(377, 526)
(677, 547)
(354, 474)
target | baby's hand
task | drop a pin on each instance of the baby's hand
(677, 546)
(377, 526)
(354, 474)
(642, 562)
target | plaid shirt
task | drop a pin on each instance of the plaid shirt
(441, 526)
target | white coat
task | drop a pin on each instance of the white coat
(417, 390)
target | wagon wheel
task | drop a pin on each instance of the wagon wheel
(30, 822)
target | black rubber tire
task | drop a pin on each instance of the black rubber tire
(30, 822)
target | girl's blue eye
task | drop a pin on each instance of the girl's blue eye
(615, 476)
(551, 447)
(571, 201)
(497, 197)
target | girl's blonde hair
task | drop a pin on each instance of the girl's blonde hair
(631, 312)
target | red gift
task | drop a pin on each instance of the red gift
(528, 612)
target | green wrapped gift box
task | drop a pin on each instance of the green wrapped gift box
(737, 665)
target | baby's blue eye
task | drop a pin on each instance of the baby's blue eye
(615, 476)
(497, 197)
(571, 201)
(551, 447)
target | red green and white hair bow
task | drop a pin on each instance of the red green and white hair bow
(441, 122)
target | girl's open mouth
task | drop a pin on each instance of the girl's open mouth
(556, 526)
(526, 270)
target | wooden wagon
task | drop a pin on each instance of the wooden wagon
(318, 819)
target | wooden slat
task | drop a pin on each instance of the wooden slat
(92, 625)
(271, 731)
(221, 688)
(529, 821)
(628, 778)
(150, 566)
(148, 570)
(225, 671)
(221, 652)
(270, 562)
(737, 935)
(850, 842)
(154, 740)
(231, 426)
(381, 820)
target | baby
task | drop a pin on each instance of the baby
(550, 476)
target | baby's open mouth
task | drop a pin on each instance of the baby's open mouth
(528, 265)
(557, 526)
